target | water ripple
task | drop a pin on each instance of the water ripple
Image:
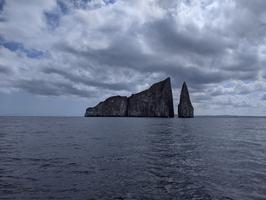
(118, 158)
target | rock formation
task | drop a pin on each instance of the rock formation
(115, 106)
(185, 108)
(157, 101)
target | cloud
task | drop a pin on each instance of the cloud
(86, 81)
(92, 49)
(51, 89)
(2, 3)
(19, 48)
(263, 97)
(5, 70)
(165, 36)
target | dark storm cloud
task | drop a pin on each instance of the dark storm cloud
(263, 97)
(5, 70)
(163, 35)
(118, 54)
(164, 38)
(196, 76)
(51, 89)
(124, 52)
(86, 81)
(245, 61)
(256, 6)
(129, 56)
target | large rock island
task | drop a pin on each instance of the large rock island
(185, 108)
(157, 101)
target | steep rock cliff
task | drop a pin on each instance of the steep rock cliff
(157, 101)
(185, 108)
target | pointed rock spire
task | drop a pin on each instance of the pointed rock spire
(185, 108)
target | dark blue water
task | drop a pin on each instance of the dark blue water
(132, 158)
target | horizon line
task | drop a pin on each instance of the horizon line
(222, 115)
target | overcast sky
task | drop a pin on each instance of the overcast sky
(58, 57)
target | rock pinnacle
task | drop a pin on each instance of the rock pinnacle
(185, 108)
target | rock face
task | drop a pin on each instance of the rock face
(157, 101)
(185, 108)
(115, 106)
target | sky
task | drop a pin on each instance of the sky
(57, 57)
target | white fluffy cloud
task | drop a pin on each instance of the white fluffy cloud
(93, 49)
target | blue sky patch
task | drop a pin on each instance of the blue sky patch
(63, 7)
(2, 3)
(19, 47)
(109, 1)
(52, 19)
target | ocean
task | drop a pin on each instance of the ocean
(220, 158)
